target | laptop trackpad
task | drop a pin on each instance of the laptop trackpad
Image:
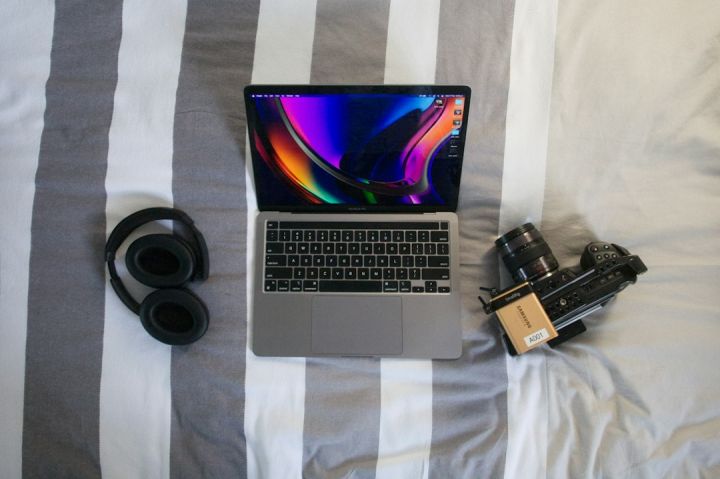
(356, 325)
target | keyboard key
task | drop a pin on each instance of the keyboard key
(404, 248)
(363, 273)
(417, 248)
(439, 262)
(382, 261)
(284, 235)
(278, 273)
(366, 248)
(418, 289)
(443, 248)
(328, 248)
(337, 273)
(373, 236)
(398, 236)
(390, 286)
(322, 236)
(296, 235)
(271, 225)
(299, 273)
(408, 261)
(315, 248)
(271, 235)
(430, 248)
(312, 273)
(290, 248)
(435, 273)
(389, 273)
(376, 273)
(411, 236)
(309, 236)
(275, 260)
(283, 285)
(379, 248)
(391, 248)
(360, 236)
(303, 248)
(423, 236)
(356, 260)
(296, 285)
(401, 273)
(368, 260)
(351, 286)
(325, 273)
(430, 287)
(414, 273)
(318, 260)
(444, 225)
(344, 260)
(354, 248)
(385, 236)
(274, 248)
(341, 248)
(439, 236)
(404, 286)
(270, 285)
(331, 260)
(310, 285)
(444, 289)
(306, 260)
(347, 236)
(350, 273)
(421, 261)
(293, 260)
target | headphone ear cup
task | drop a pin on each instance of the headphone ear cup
(161, 260)
(174, 316)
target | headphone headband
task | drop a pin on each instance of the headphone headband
(139, 218)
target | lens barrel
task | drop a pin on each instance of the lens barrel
(525, 253)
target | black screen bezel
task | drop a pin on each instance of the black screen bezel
(335, 89)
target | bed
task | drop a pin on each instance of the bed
(594, 120)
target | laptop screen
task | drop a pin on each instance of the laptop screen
(383, 148)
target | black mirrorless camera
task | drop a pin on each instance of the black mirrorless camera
(566, 295)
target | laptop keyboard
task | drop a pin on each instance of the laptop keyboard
(357, 257)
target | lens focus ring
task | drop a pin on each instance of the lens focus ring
(525, 253)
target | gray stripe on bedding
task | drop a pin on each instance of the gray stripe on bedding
(208, 377)
(469, 436)
(342, 396)
(350, 40)
(67, 274)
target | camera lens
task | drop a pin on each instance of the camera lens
(525, 253)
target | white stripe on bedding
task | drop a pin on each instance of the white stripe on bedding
(411, 50)
(135, 396)
(275, 387)
(406, 385)
(523, 185)
(26, 31)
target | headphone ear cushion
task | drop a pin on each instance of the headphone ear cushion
(174, 316)
(160, 260)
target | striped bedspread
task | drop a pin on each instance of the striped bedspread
(594, 120)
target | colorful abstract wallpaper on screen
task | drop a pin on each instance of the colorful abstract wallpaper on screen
(357, 149)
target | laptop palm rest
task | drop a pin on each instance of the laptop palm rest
(356, 325)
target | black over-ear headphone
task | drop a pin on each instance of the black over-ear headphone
(171, 314)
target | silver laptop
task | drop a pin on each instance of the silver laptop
(356, 248)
